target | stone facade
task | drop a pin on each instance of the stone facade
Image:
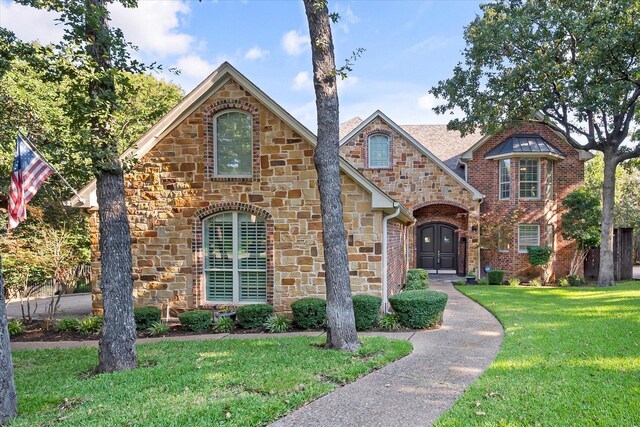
(173, 188)
(568, 175)
(417, 182)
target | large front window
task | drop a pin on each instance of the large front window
(378, 151)
(528, 235)
(235, 258)
(233, 144)
(529, 178)
(505, 179)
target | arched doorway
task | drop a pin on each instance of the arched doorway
(437, 248)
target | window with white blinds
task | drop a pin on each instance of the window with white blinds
(528, 235)
(235, 258)
(379, 151)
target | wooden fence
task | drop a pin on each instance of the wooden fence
(622, 257)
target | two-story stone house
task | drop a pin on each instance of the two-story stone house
(224, 206)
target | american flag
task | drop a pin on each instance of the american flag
(27, 175)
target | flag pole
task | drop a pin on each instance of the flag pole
(34, 148)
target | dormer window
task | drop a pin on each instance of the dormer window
(233, 147)
(378, 150)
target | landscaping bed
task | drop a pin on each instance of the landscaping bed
(218, 382)
(570, 356)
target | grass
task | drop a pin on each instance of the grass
(240, 382)
(570, 357)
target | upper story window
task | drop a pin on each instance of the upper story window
(232, 132)
(505, 179)
(529, 181)
(528, 235)
(235, 258)
(549, 183)
(378, 151)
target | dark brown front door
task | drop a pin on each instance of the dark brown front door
(437, 248)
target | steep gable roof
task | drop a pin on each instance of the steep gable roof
(193, 100)
(422, 148)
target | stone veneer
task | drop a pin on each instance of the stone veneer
(568, 175)
(415, 181)
(173, 188)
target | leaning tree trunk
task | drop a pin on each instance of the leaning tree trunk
(606, 273)
(8, 396)
(341, 328)
(117, 347)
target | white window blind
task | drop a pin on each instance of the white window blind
(379, 151)
(528, 235)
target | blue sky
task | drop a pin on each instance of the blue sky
(410, 45)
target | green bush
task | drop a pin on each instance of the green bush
(575, 280)
(483, 282)
(536, 283)
(67, 324)
(514, 281)
(419, 309)
(224, 325)
(196, 320)
(366, 309)
(309, 313)
(146, 316)
(89, 325)
(158, 328)
(460, 283)
(496, 277)
(15, 327)
(417, 278)
(253, 315)
(539, 255)
(389, 322)
(563, 283)
(277, 324)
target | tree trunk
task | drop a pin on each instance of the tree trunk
(117, 347)
(8, 396)
(606, 273)
(341, 329)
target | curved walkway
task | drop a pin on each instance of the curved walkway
(415, 390)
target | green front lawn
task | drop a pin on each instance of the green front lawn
(570, 357)
(240, 382)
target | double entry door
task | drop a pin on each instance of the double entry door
(437, 247)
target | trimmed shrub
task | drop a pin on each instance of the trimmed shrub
(575, 280)
(536, 283)
(277, 324)
(146, 316)
(419, 309)
(253, 315)
(366, 309)
(483, 282)
(89, 325)
(15, 327)
(224, 325)
(514, 281)
(459, 283)
(158, 328)
(310, 313)
(496, 277)
(563, 283)
(196, 320)
(389, 322)
(417, 278)
(67, 324)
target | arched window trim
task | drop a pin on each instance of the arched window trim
(214, 131)
(374, 134)
(235, 269)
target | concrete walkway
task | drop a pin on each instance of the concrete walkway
(417, 389)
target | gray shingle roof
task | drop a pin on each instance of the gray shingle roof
(524, 144)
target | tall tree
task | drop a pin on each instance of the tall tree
(8, 396)
(93, 55)
(341, 328)
(576, 62)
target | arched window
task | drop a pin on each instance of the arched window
(378, 151)
(235, 258)
(233, 144)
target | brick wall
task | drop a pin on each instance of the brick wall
(173, 189)
(396, 256)
(568, 175)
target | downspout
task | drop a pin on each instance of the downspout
(385, 221)
(479, 260)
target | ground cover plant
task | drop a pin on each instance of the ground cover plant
(570, 356)
(239, 382)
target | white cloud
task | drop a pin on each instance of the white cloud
(429, 44)
(194, 67)
(347, 83)
(426, 102)
(29, 23)
(294, 43)
(302, 81)
(347, 18)
(154, 26)
(255, 53)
